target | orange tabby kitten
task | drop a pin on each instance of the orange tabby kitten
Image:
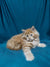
(26, 40)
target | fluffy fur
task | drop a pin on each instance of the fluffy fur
(25, 41)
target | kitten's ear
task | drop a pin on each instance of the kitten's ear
(32, 28)
(23, 30)
(23, 36)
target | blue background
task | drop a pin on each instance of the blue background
(22, 14)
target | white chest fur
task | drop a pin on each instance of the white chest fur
(35, 43)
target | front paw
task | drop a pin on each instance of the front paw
(42, 45)
(30, 57)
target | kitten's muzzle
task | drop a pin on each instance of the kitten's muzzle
(30, 40)
(33, 40)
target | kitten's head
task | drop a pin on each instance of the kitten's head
(30, 34)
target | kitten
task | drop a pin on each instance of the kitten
(25, 41)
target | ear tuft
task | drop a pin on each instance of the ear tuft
(32, 28)
(23, 30)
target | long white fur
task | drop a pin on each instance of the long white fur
(41, 45)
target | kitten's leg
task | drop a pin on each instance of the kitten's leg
(13, 45)
(10, 44)
(17, 47)
(28, 54)
(41, 45)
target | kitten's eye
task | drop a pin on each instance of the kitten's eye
(31, 34)
(27, 35)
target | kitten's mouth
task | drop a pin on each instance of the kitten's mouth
(29, 40)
